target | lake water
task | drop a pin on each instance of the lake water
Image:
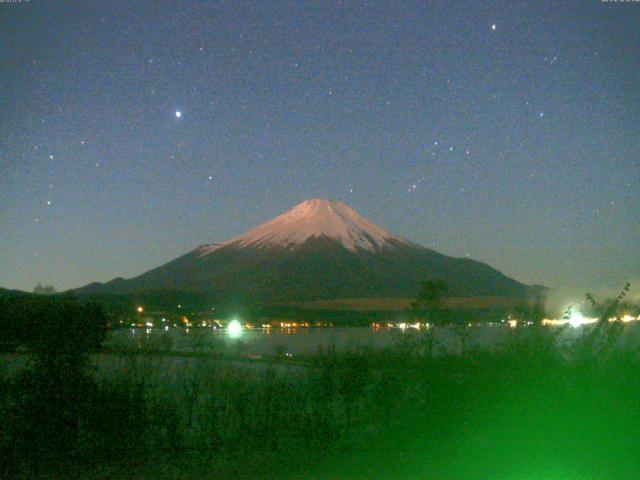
(260, 343)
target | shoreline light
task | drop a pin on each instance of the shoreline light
(234, 328)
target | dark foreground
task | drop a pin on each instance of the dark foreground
(531, 409)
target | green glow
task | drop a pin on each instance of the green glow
(234, 329)
(577, 319)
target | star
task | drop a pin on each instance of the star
(178, 113)
(493, 27)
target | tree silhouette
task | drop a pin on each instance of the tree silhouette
(532, 311)
(44, 289)
(430, 302)
(59, 334)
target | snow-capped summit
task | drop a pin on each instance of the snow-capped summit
(316, 218)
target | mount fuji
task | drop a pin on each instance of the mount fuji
(319, 250)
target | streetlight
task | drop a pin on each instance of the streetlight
(234, 328)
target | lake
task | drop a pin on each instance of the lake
(302, 341)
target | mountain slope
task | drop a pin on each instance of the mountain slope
(318, 250)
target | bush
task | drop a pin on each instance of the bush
(48, 399)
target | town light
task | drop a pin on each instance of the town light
(140, 309)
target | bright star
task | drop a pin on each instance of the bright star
(493, 27)
(178, 114)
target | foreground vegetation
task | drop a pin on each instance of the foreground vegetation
(532, 408)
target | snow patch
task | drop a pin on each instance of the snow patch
(311, 219)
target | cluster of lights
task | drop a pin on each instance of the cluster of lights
(577, 319)
(402, 325)
(235, 328)
(292, 324)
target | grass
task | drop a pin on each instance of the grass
(532, 407)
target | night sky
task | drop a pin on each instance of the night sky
(505, 131)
